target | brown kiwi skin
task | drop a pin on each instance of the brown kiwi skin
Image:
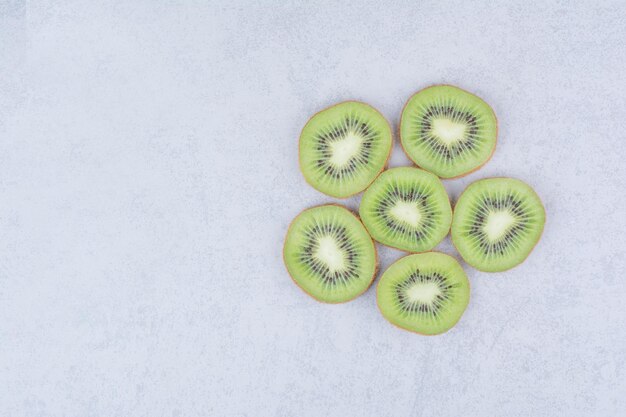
(376, 267)
(545, 217)
(495, 145)
(379, 172)
(410, 330)
(447, 233)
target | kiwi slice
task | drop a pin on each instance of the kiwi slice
(344, 147)
(497, 222)
(407, 208)
(329, 254)
(425, 293)
(448, 131)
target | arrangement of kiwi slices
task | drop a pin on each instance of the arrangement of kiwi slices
(448, 133)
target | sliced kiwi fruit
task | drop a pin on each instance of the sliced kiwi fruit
(425, 293)
(497, 222)
(329, 254)
(344, 147)
(448, 131)
(407, 208)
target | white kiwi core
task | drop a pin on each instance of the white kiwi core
(343, 150)
(329, 253)
(407, 212)
(497, 224)
(448, 131)
(423, 292)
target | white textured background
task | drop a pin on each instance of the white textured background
(148, 173)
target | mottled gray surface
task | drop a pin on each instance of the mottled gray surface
(148, 173)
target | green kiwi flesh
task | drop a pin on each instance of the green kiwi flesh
(344, 147)
(407, 208)
(448, 131)
(425, 293)
(497, 222)
(329, 254)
